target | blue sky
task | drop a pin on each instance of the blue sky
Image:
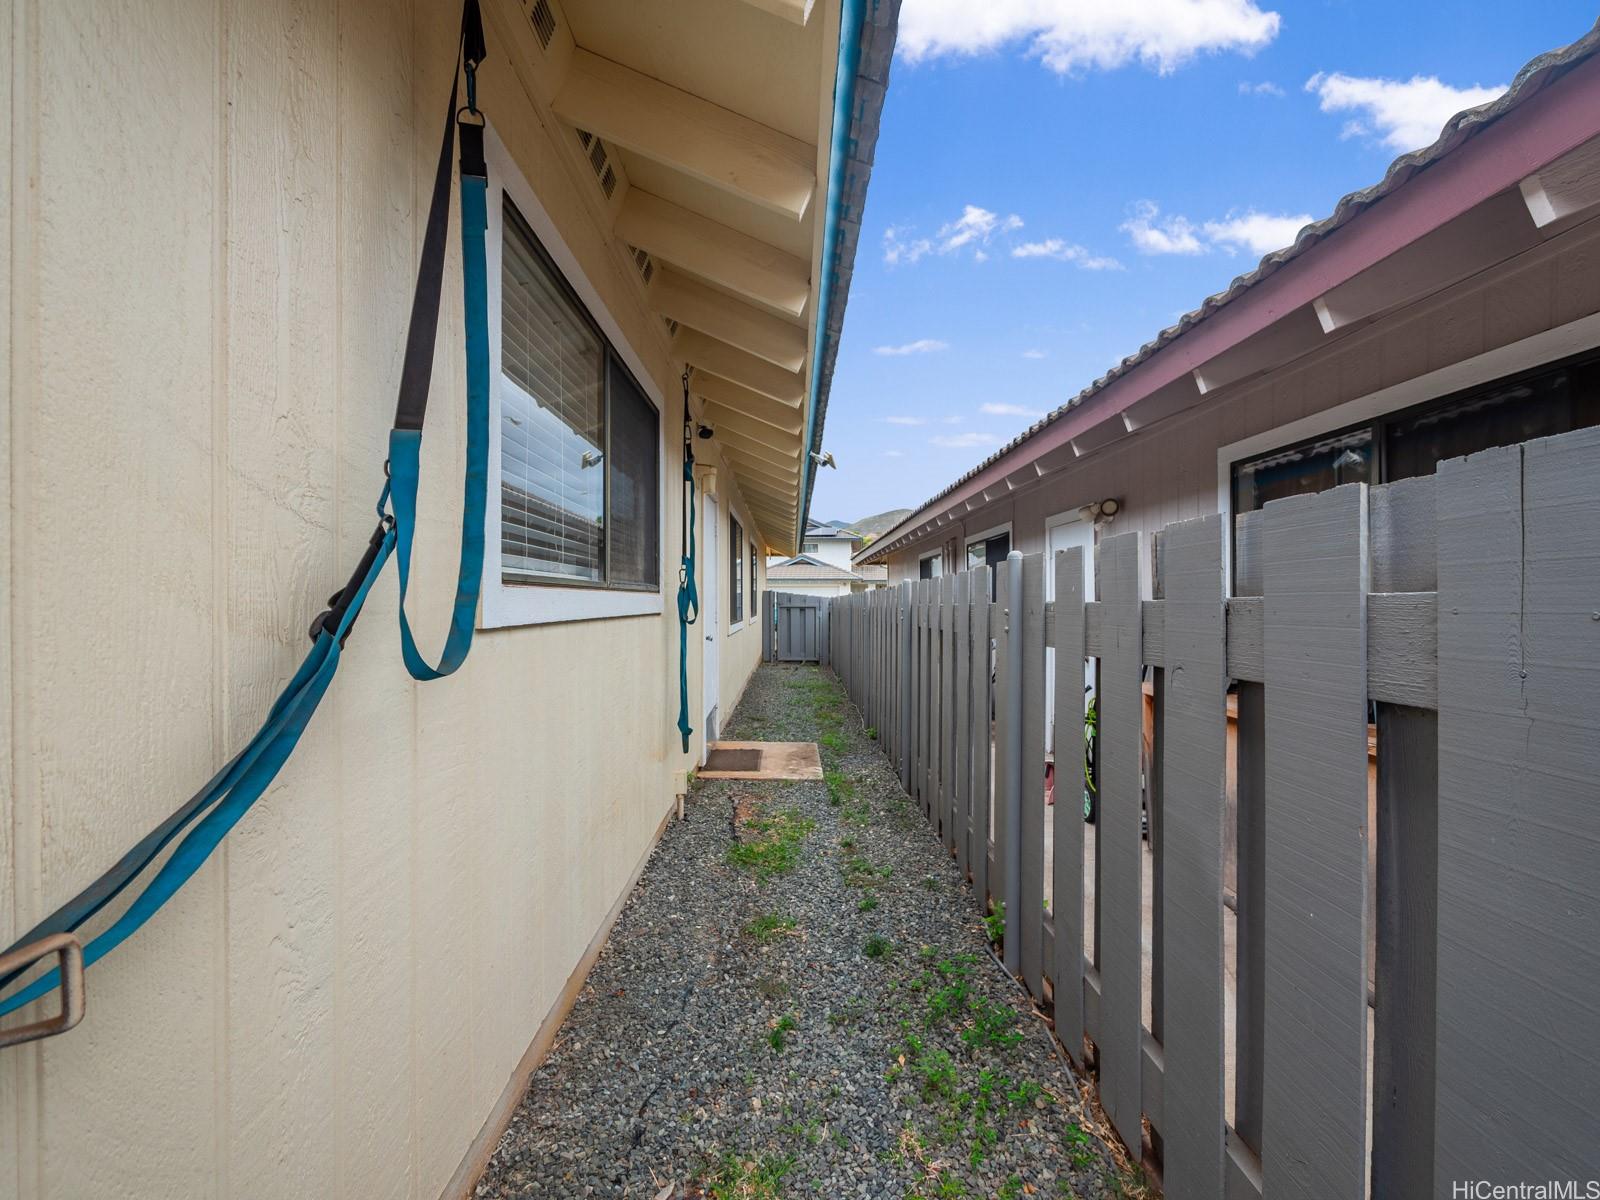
(1054, 184)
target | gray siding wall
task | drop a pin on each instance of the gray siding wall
(1168, 472)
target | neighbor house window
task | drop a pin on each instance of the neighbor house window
(735, 571)
(809, 547)
(990, 549)
(1552, 399)
(579, 463)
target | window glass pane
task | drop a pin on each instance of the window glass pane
(634, 523)
(1558, 401)
(1310, 467)
(552, 490)
(735, 572)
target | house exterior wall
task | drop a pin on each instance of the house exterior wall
(207, 269)
(1169, 472)
(833, 551)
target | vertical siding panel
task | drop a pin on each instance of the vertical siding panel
(117, 561)
(1193, 746)
(1067, 814)
(1315, 1039)
(1030, 921)
(16, 1113)
(281, 558)
(1519, 831)
(1117, 834)
(1004, 626)
(374, 789)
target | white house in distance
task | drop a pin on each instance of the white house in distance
(822, 568)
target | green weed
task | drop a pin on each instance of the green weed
(768, 927)
(738, 1177)
(775, 847)
(877, 946)
(778, 1036)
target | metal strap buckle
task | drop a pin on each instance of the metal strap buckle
(69, 952)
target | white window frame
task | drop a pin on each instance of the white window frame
(966, 546)
(1551, 345)
(936, 555)
(506, 605)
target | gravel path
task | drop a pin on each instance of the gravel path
(797, 1001)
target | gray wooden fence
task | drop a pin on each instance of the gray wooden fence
(1450, 910)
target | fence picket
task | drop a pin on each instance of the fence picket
(961, 767)
(1193, 747)
(1030, 916)
(1518, 1070)
(982, 761)
(1315, 1036)
(1066, 905)
(947, 756)
(1119, 878)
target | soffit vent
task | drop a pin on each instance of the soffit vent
(600, 161)
(544, 22)
(642, 261)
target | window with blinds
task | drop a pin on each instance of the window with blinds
(579, 458)
(735, 570)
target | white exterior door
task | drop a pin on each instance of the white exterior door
(711, 614)
(1063, 536)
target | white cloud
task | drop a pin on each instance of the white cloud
(1256, 232)
(1265, 88)
(1259, 233)
(953, 420)
(1154, 234)
(905, 421)
(894, 453)
(1008, 410)
(974, 225)
(1402, 114)
(1035, 354)
(974, 228)
(920, 346)
(1074, 35)
(1064, 251)
(962, 441)
(897, 249)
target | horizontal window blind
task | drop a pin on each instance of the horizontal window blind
(552, 423)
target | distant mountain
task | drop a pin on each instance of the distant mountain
(874, 526)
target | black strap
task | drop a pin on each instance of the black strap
(411, 407)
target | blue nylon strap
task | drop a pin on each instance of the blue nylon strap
(218, 806)
(405, 446)
(232, 792)
(688, 596)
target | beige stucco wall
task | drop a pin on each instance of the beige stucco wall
(212, 217)
(1169, 472)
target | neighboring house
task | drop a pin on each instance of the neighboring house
(1455, 305)
(827, 543)
(213, 237)
(810, 575)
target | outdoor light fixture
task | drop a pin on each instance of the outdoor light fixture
(1101, 511)
(704, 431)
(824, 460)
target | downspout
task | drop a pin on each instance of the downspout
(852, 14)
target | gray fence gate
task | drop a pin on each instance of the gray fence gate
(797, 627)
